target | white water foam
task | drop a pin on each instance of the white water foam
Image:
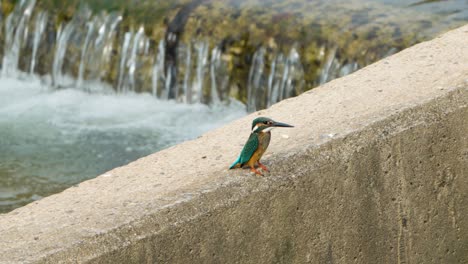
(50, 140)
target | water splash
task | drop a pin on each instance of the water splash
(78, 135)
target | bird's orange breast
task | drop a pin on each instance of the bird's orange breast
(263, 142)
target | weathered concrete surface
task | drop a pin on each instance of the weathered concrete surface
(390, 187)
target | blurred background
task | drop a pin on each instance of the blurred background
(89, 85)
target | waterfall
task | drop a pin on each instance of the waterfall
(167, 84)
(328, 67)
(97, 48)
(69, 38)
(348, 68)
(91, 29)
(138, 44)
(134, 50)
(39, 28)
(84, 47)
(284, 79)
(255, 77)
(123, 61)
(188, 70)
(104, 47)
(333, 68)
(271, 78)
(294, 84)
(92, 48)
(16, 33)
(275, 79)
(158, 68)
(215, 63)
(201, 49)
(60, 50)
(179, 54)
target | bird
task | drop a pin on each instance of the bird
(257, 144)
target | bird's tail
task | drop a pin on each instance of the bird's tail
(237, 162)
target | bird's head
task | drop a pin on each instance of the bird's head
(265, 124)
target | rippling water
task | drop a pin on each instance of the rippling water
(52, 140)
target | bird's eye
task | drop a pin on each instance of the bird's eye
(266, 122)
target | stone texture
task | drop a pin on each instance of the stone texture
(375, 171)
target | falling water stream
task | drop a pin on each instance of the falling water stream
(85, 95)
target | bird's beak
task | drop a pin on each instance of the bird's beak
(279, 124)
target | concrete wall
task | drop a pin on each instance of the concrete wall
(375, 171)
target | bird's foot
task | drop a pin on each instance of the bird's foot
(263, 167)
(256, 171)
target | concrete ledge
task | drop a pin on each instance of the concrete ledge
(389, 186)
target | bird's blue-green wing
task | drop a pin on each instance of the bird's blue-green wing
(249, 148)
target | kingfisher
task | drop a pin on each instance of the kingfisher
(257, 144)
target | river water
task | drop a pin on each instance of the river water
(50, 140)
